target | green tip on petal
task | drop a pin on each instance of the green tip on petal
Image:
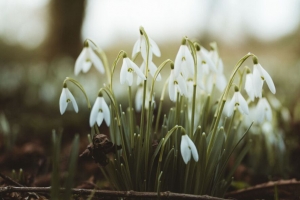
(86, 43)
(65, 85)
(197, 46)
(236, 88)
(255, 61)
(141, 30)
(183, 41)
(248, 71)
(172, 65)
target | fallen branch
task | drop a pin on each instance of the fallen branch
(109, 193)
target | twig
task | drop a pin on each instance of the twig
(109, 193)
(10, 180)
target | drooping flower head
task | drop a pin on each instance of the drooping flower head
(65, 98)
(259, 76)
(184, 61)
(263, 111)
(139, 98)
(141, 46)
(237, 101)
(176, 84)
(85, 60)
(127, 70)
(249, 84)
(188, 149)
(99, 112)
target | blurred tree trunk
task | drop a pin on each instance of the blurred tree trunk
(65, 21)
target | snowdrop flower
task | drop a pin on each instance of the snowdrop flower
(140, 46)
(203, 57)
(249, 84)
(259, 76)
(139, 98)
(263, 110)
(99, 112)
(151, 68)
(65, 98)
(184, 61)
(218, 78)
(176, 84)
(85, 60)
(237, 101)
(188, 148)
(127, 69)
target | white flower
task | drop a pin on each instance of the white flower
(176, 84)
(65, 98)
(188, 148)
(203, 56)
(263, 110)
(99, 111)
(249, 86)
(140, 46)
(217, 78)
(139, 99)
(85, 60)
(151, 68)
(259, 76)
(127, 69)
(184, 62)
(237, 101)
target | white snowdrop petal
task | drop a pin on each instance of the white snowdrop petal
(106, 111)
(139, 99)
(221, 82)
(96, 61)
(94, 112)
(193, 149)
(207, 59)
(63, 101)
(184, 149)
(268, 80)
(178, 61)
(70, 95)
(99, 118)
(136, 47)
(230, 107)
(124, 71)
(154, 47)
(243, 106)
(129, 78)
(80, 61)
(86, 66)
(182, 85)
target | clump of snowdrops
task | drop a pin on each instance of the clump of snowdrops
(188, 148)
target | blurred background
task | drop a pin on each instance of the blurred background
(41, 39)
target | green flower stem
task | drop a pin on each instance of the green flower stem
(110, 95)
(165, 139)
(193, 109)
(130, 117)
(160, 105)
(194, 54)
(81, 88)
(223, 100)
(145, 136)
(120, 55)
(231, 121)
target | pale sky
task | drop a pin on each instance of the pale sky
(110, 22)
